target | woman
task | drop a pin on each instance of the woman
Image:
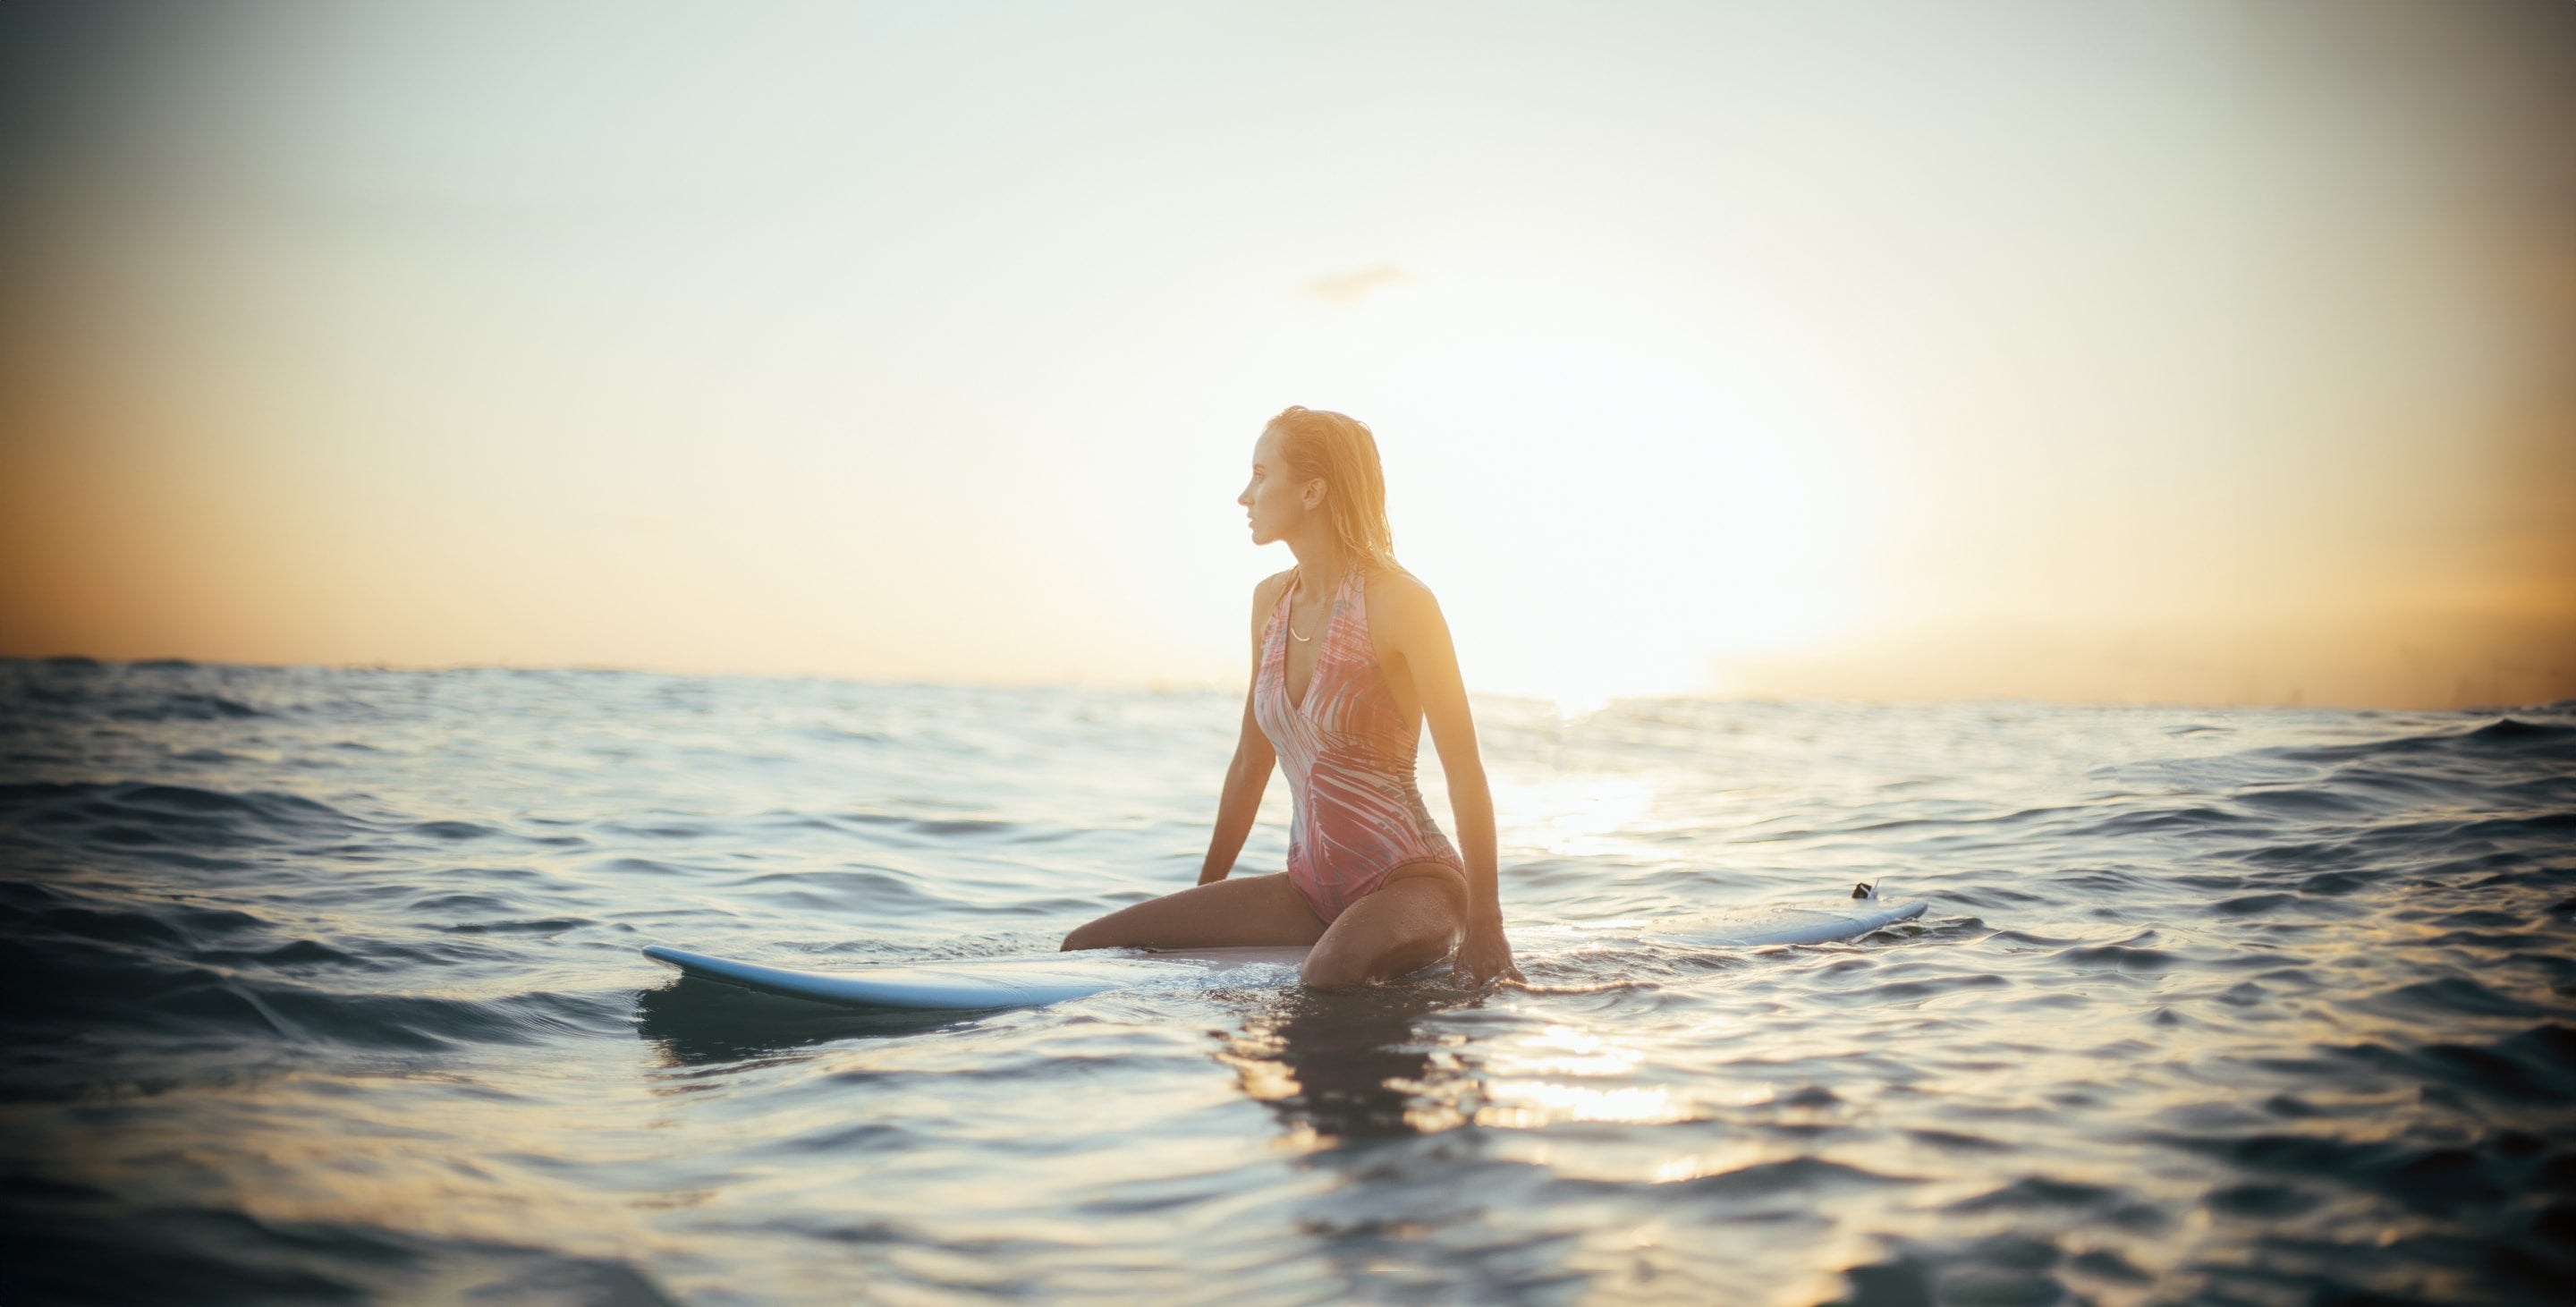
(1349, 656)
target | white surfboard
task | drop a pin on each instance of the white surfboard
(983, 984)
(1731, 928)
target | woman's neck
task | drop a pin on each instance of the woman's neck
(1320, 560)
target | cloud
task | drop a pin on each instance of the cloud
(1352, 287)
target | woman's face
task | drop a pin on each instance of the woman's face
(1274, 500)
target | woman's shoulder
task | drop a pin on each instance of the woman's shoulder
(1395, 591)
(1391, 578)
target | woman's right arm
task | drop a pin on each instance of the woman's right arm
(1249, 774)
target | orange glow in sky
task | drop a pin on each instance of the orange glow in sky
(2145, 351)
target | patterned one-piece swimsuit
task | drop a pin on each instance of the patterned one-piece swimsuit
(1348, 753)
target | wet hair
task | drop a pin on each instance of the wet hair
(1339, 451)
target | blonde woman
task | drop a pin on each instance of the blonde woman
(1350, 656)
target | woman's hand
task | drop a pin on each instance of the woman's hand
(1486, 956)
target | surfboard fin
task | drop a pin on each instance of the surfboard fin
(1863, 891)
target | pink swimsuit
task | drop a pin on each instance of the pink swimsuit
(1348, 753)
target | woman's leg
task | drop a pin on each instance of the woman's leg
(1408, 923)
(1240, 910)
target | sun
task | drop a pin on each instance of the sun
(1608, 501)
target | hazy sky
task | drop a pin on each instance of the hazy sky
(2150, 351)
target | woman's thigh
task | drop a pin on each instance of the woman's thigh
(1236, 911)
(1410, 922)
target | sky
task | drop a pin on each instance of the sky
(2122, 352)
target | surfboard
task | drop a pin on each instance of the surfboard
(1734, 928)
(988, 983)
(983, 982)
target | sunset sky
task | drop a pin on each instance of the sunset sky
(2125, 352)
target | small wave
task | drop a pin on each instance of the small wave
(2247, 905)
(1800, 1175)
(2120, 957)
(78, 1244)
(186, 706)
(2102, 882)
(539, 926)
(2535, 1066)
(2507, 728)
(36, 910)
(2450, 996)
(831, 734)
(852, 890)
(2504, 735)
(940, 827)
(2025, 937)
(667, 830)
(871, 1138)
(1954, 1141)
(453, 830)
(139, 814)
(2300, 801)
(300, 953)
(220, 995)
(1591, 987)
(2198, 817)
(1906, 991)
(2268, 1201)
(1795, 1176)
(2432, 1178)
(645, 867)
(2040, 1193)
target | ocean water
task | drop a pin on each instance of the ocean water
(323, 986)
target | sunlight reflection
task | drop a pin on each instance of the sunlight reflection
(1576, 1054)
(1262, 1080)
(1524, 1104)
(1585, 817)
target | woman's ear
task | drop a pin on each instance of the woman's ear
(1313, 498)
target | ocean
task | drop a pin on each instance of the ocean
(323, 985)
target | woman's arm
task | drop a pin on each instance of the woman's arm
(1249, 774)
(1245, 778)
(1421, 635)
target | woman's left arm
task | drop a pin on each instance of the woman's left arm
(1421, 635)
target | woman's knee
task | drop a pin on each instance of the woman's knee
(1090, 934)
(1327, 967)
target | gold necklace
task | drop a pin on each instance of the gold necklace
(1291, 622)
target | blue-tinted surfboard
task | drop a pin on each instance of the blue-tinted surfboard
(983, 984)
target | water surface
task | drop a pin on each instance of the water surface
(324, 984)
